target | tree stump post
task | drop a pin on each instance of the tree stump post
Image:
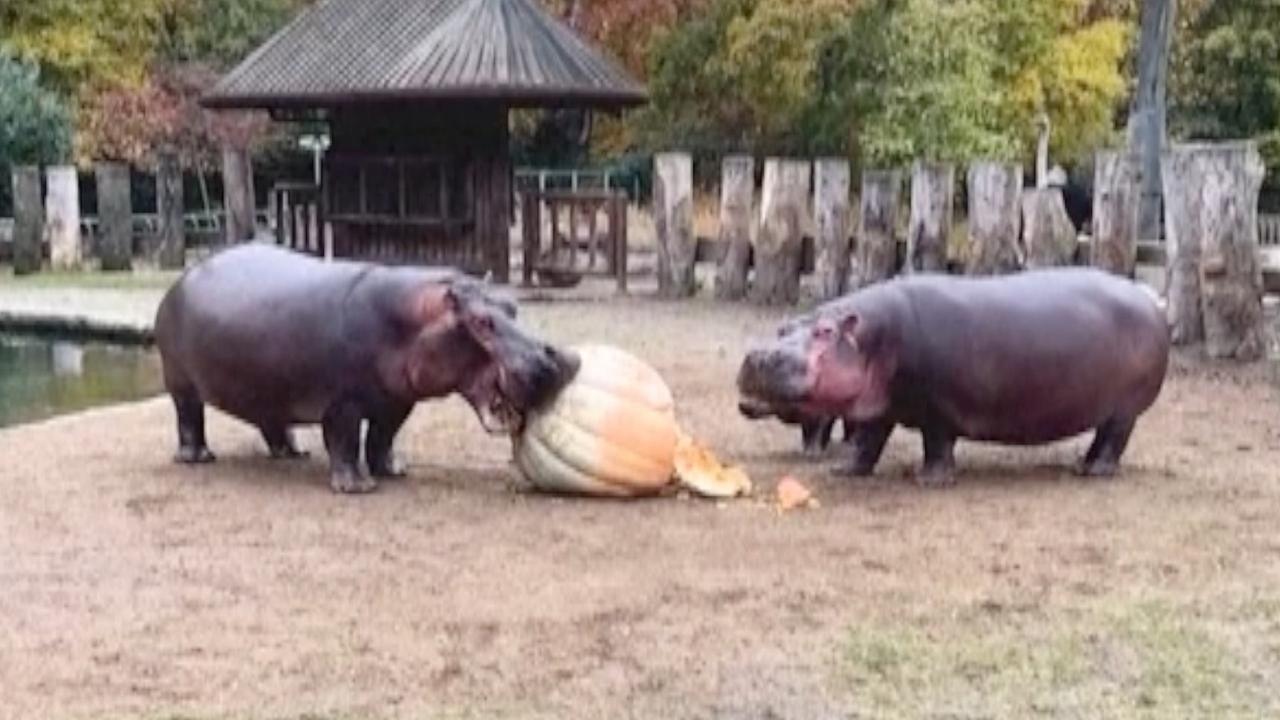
(877, 223)
(783, 202)
(673, 219)
(1116, 201)
(115, 217)
(170, 247)
(737, 197)
(1180, 179)
(831, 219)
(28, 220)
(933, 188)
(1230, 264)
(995, 214)
(1048, 237)
(237, 193)
(62, 218)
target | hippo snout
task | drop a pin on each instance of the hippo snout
(771, 374)
(554, 369)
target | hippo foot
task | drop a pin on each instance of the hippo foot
(352, 483)
(390, 467)
(932, 477)
(1097, 468)
(858, 470)
(288, 453)
(194, 456)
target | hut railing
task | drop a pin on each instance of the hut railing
(299, 217)
(560, 255)
(1269, 230)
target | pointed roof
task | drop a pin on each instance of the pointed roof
(345, 51)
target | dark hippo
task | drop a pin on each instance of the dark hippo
(277, 339)
(1021, 359)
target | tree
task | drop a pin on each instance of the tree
(35, 124)
(219, 33)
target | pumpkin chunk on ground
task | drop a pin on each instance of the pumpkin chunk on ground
(699, 469)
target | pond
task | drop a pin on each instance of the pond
(41, 377)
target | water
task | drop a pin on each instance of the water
(41, 377)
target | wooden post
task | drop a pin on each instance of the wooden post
(1116, 187)
(831, 218)
(1181, 179)
(783, 202)
(737, 196)
(62, 217)
(1230, 264)
(933, 189)
(28, 220)
(115, 217)
(531, 230)
(994, 218)
(673, 216)
(877, 226)
(237, 194)
(620, 242)
(1147, 119)
(171, 243)
(1048, 237)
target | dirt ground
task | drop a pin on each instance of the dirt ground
(130, 587)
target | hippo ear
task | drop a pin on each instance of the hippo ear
(849, 329)
(434, 303)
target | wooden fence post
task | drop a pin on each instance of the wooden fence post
(933, 188)
(62, 217)
(1048, 237)
(737, 196)
(1116, 201)
(673, 218)
(783, 202)
(170, 247)
(115, 217)
(831, 218)
(877, 226)
(994, 218)
(1180, 178)
(28, 220)
(237, 194)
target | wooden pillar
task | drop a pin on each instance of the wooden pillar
(531, 233)
(498, 243)
(28, 220)
(171, 242)
(1116, 188)
(737, 196)
(1181, 179)
(619, 244)
(1230, 264)
(933, 188)
(62, 217)
(783, 202)
(877, 226)
(115, 217)
(237, 194)
(994, 218)
(1048, 237)
(831, 219)
(673, 217)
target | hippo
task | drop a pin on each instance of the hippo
(1023, 359)
(277, 338)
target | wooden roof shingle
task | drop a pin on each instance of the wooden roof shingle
(350, 51)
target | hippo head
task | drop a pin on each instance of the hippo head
(470, 343)
(822, 365)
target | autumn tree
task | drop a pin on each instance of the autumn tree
(35, 124)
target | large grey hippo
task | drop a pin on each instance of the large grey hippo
(277, 338)
(1022, 359)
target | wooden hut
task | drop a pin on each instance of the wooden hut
(416, 96)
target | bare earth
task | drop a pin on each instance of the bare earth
(131, 587)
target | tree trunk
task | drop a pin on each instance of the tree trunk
(1181, 180)
(831, 218)
(1230, 264)
(737, 196)
(237, 194)
(877, 224)
(62, 218)
(171, 243)
(933, 190)
(1116, 187)
(1147, 115)
(995, 190)
(673, 217)
(1048, 237)
(783, 202)
(115, 217)
(28, 220)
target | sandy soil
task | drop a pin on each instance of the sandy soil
(131, 587)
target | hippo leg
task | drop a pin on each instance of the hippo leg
(281, 443)
(939, 457)
(192, 448)
(341, 426)
(868, 440)
(1109, 443)
(816, 435)
(377, 443)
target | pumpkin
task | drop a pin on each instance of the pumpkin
(699, 469)
(611, 431)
